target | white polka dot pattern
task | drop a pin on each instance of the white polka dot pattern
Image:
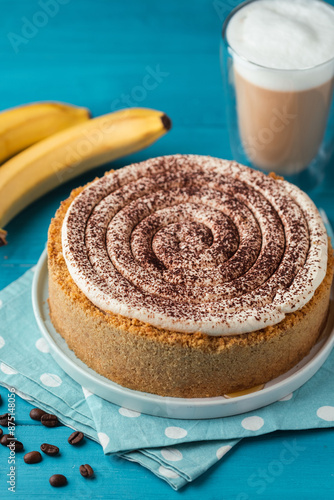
(175, 432)
(171, 474)
(50, 380)
(287, 397)
(326, 413)
(42, 345)
(252, 423)
(7, 369)
(104, 439)
(171, 454)
(222, 451)
(129, 413)
(86, 392)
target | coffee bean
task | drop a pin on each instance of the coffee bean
(6, 419)
(49, 449)
(1, 432)
(5, 439)
(37, 413)
(75, 438)
(33, 457)
(58, 480)
(8, 440)
(18, 446)
(49, 420)
(86, 470)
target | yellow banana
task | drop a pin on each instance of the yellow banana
(67, 154)
(25, 125)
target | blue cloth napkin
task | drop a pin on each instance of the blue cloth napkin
(177, 451)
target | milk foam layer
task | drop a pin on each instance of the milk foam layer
(281, 35)
(195, 244)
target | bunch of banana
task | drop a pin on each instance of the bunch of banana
(25, 125)
(69, 153)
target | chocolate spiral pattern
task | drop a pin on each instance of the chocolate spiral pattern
(191, 243)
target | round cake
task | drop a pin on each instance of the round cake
(189, 276)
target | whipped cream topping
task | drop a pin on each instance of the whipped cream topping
(195, 244)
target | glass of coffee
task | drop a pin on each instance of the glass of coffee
(278, 65)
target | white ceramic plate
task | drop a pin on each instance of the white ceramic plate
(164, 406)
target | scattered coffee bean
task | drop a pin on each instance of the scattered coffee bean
(1, 432)
(18, 446)
(5, 439)
(33, 457)
(37, 413)
(58, 480)
(8, 440)
(49, 449)
(75, 438)
(6, 419)
(86, 470)
(49, 420)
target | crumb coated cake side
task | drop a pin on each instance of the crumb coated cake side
(139, 356)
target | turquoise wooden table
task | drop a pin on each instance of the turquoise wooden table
(97, 53)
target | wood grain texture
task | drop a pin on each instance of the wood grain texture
(96, 53)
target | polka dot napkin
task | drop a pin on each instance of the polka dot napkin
(177, 451)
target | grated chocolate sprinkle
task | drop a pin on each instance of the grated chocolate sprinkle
(194, 243)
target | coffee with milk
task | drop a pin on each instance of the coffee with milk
(283, 70)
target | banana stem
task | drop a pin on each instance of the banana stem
(3, 235)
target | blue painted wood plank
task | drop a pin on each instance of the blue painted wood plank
(256, 467)
(97, 54)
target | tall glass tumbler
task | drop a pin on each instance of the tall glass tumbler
(279, 120)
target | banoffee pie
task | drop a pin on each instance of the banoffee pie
(189, 276)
